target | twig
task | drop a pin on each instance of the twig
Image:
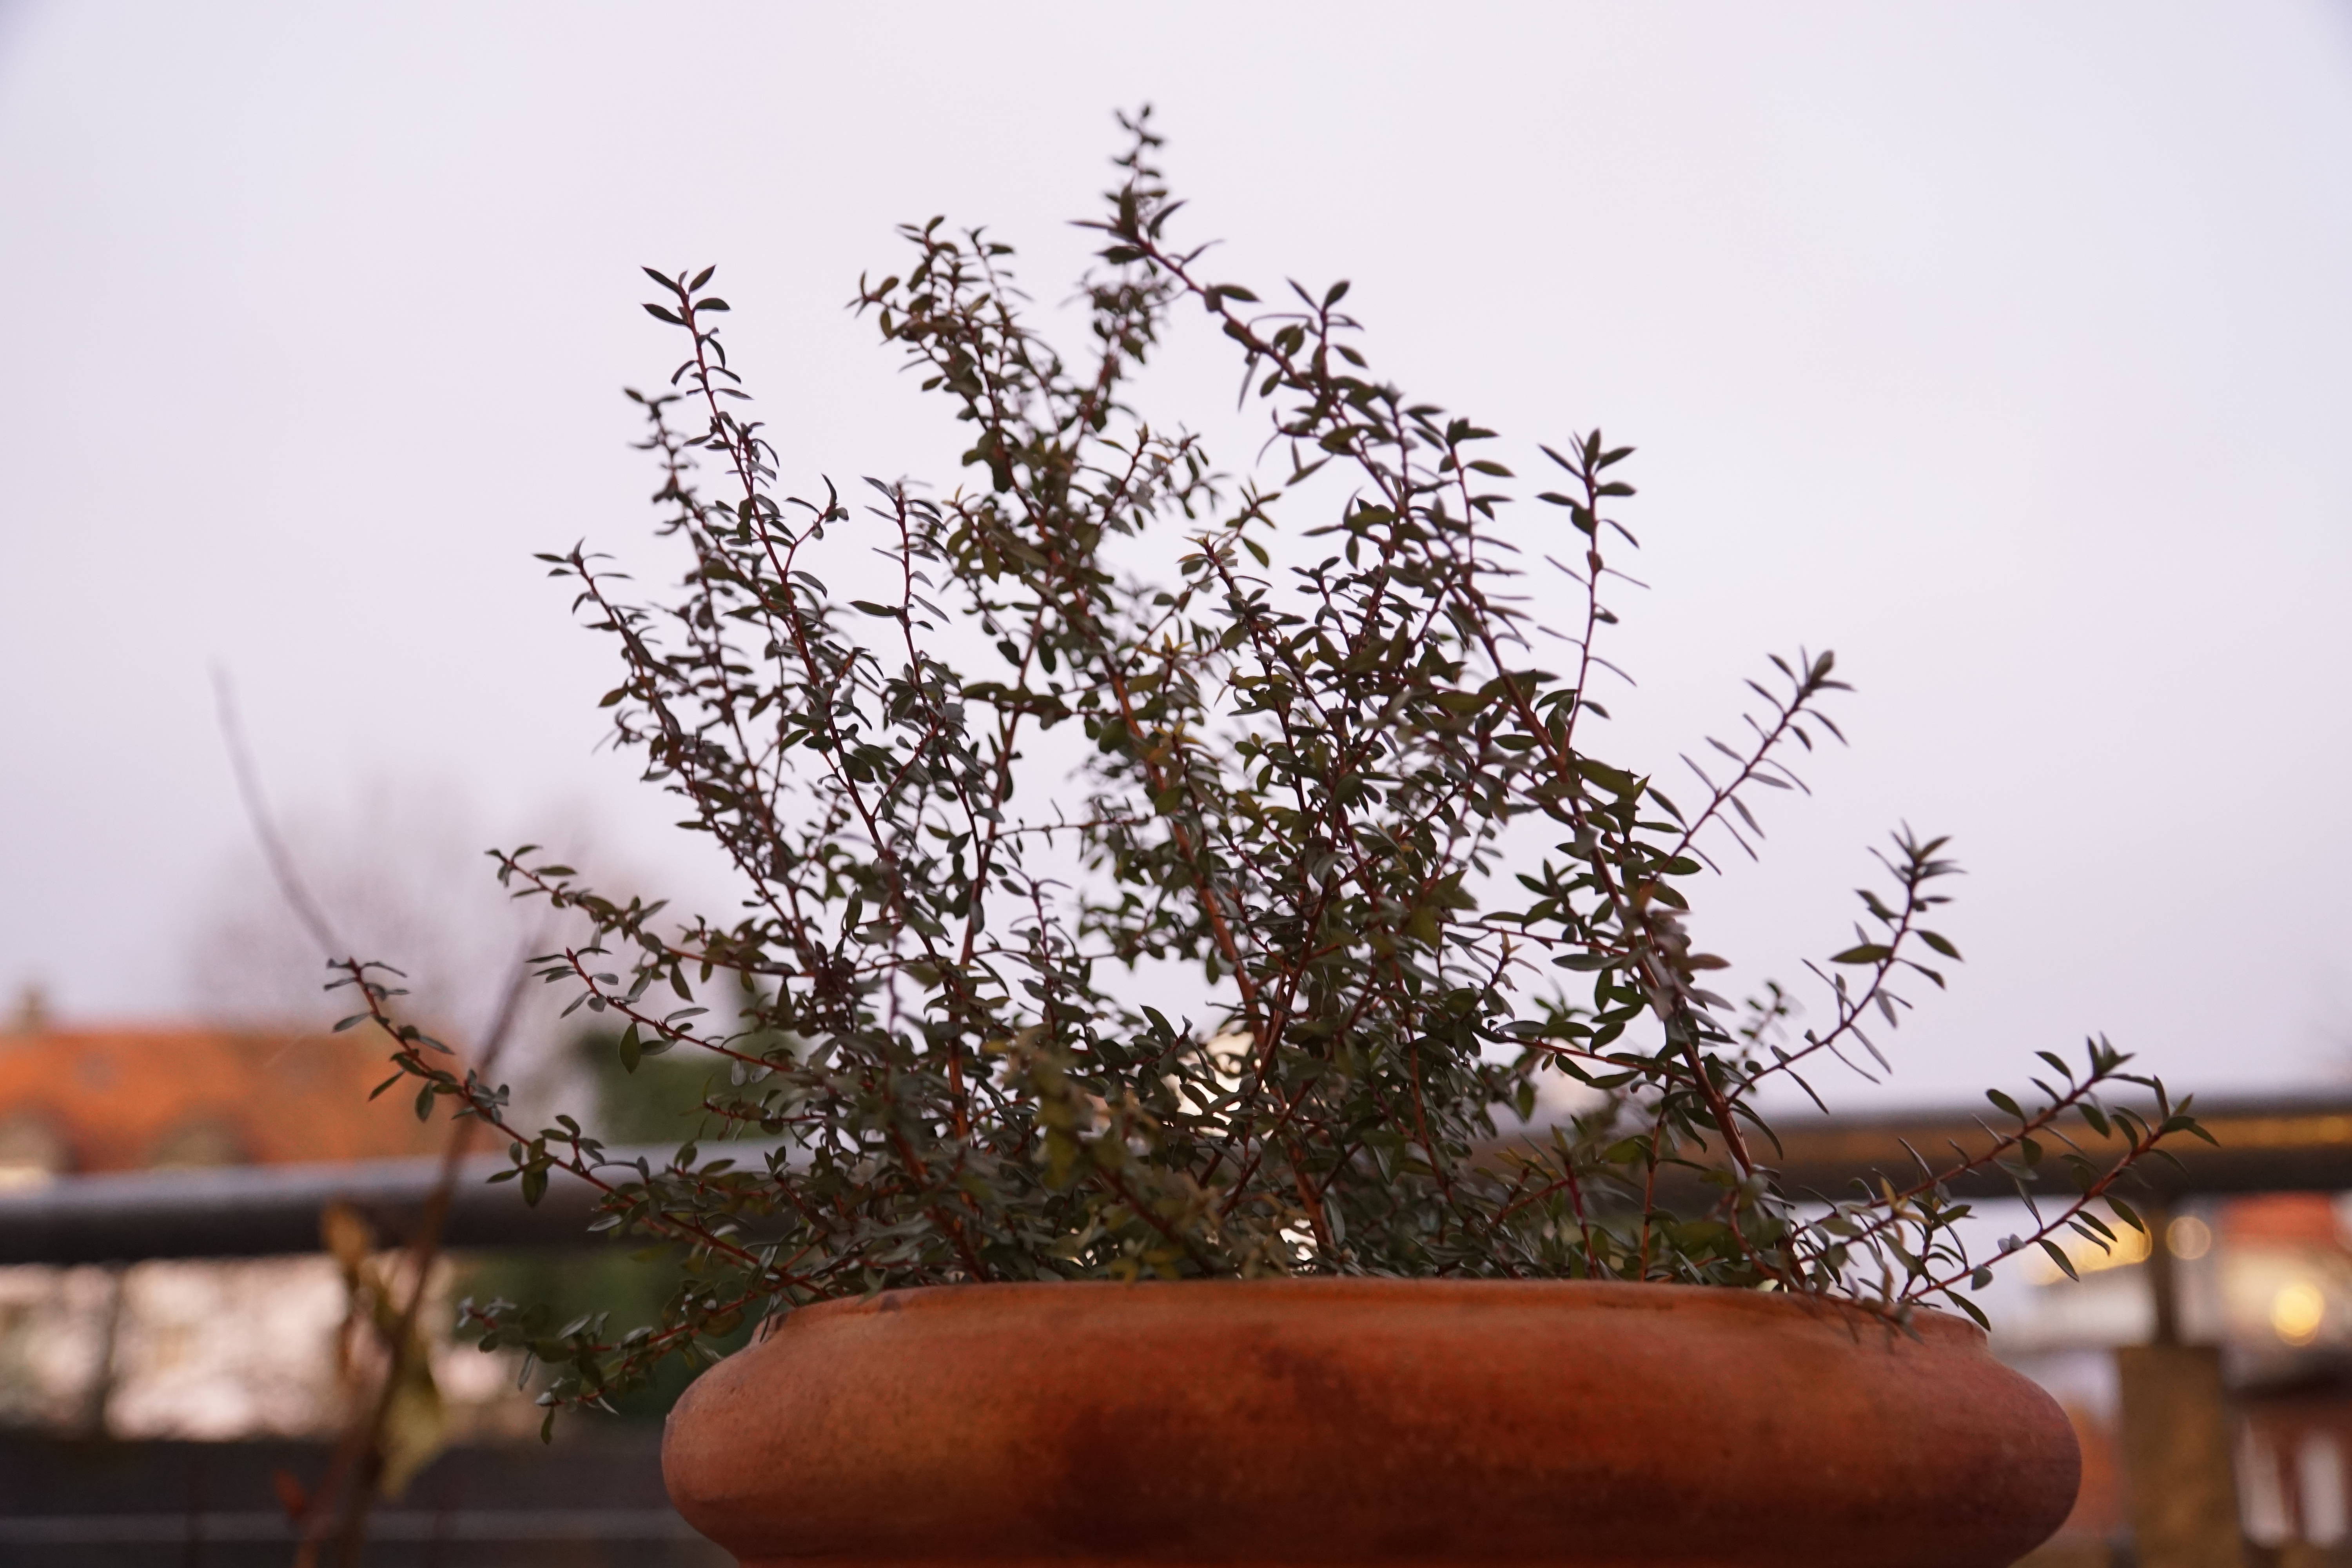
(424, 1250)
(290, 886)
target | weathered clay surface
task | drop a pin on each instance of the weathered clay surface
(1342, 1421)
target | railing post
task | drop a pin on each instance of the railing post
(2179, 1465)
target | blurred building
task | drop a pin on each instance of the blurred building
(206, 1349)
(74, 1101)
(2268, 1280)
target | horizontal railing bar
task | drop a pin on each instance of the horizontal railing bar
(396, 1525)
(258, 1211)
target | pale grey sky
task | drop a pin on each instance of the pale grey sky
(2006, 349)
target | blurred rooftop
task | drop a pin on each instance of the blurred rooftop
(78, 1102)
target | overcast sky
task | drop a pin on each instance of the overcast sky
(2006, 349)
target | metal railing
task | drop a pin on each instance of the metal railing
(260, 1211)
(252, 1211)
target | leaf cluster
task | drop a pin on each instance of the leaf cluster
(1225, 920)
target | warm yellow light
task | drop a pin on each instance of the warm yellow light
(2189, 1238)
(2296, 1311)
(2089, 1257)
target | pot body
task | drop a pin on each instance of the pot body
(1368, 1421)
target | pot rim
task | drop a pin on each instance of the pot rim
(1927, 1323)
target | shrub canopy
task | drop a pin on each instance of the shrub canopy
(1348, 820)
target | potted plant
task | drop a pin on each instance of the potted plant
(1167, 898)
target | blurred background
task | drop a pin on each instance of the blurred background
(2004, 348)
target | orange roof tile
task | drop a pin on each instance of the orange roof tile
(2281, 1216)
(119, 1100)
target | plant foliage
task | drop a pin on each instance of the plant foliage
(1348, 808)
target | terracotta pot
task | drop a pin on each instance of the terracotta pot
(1360, 1421)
